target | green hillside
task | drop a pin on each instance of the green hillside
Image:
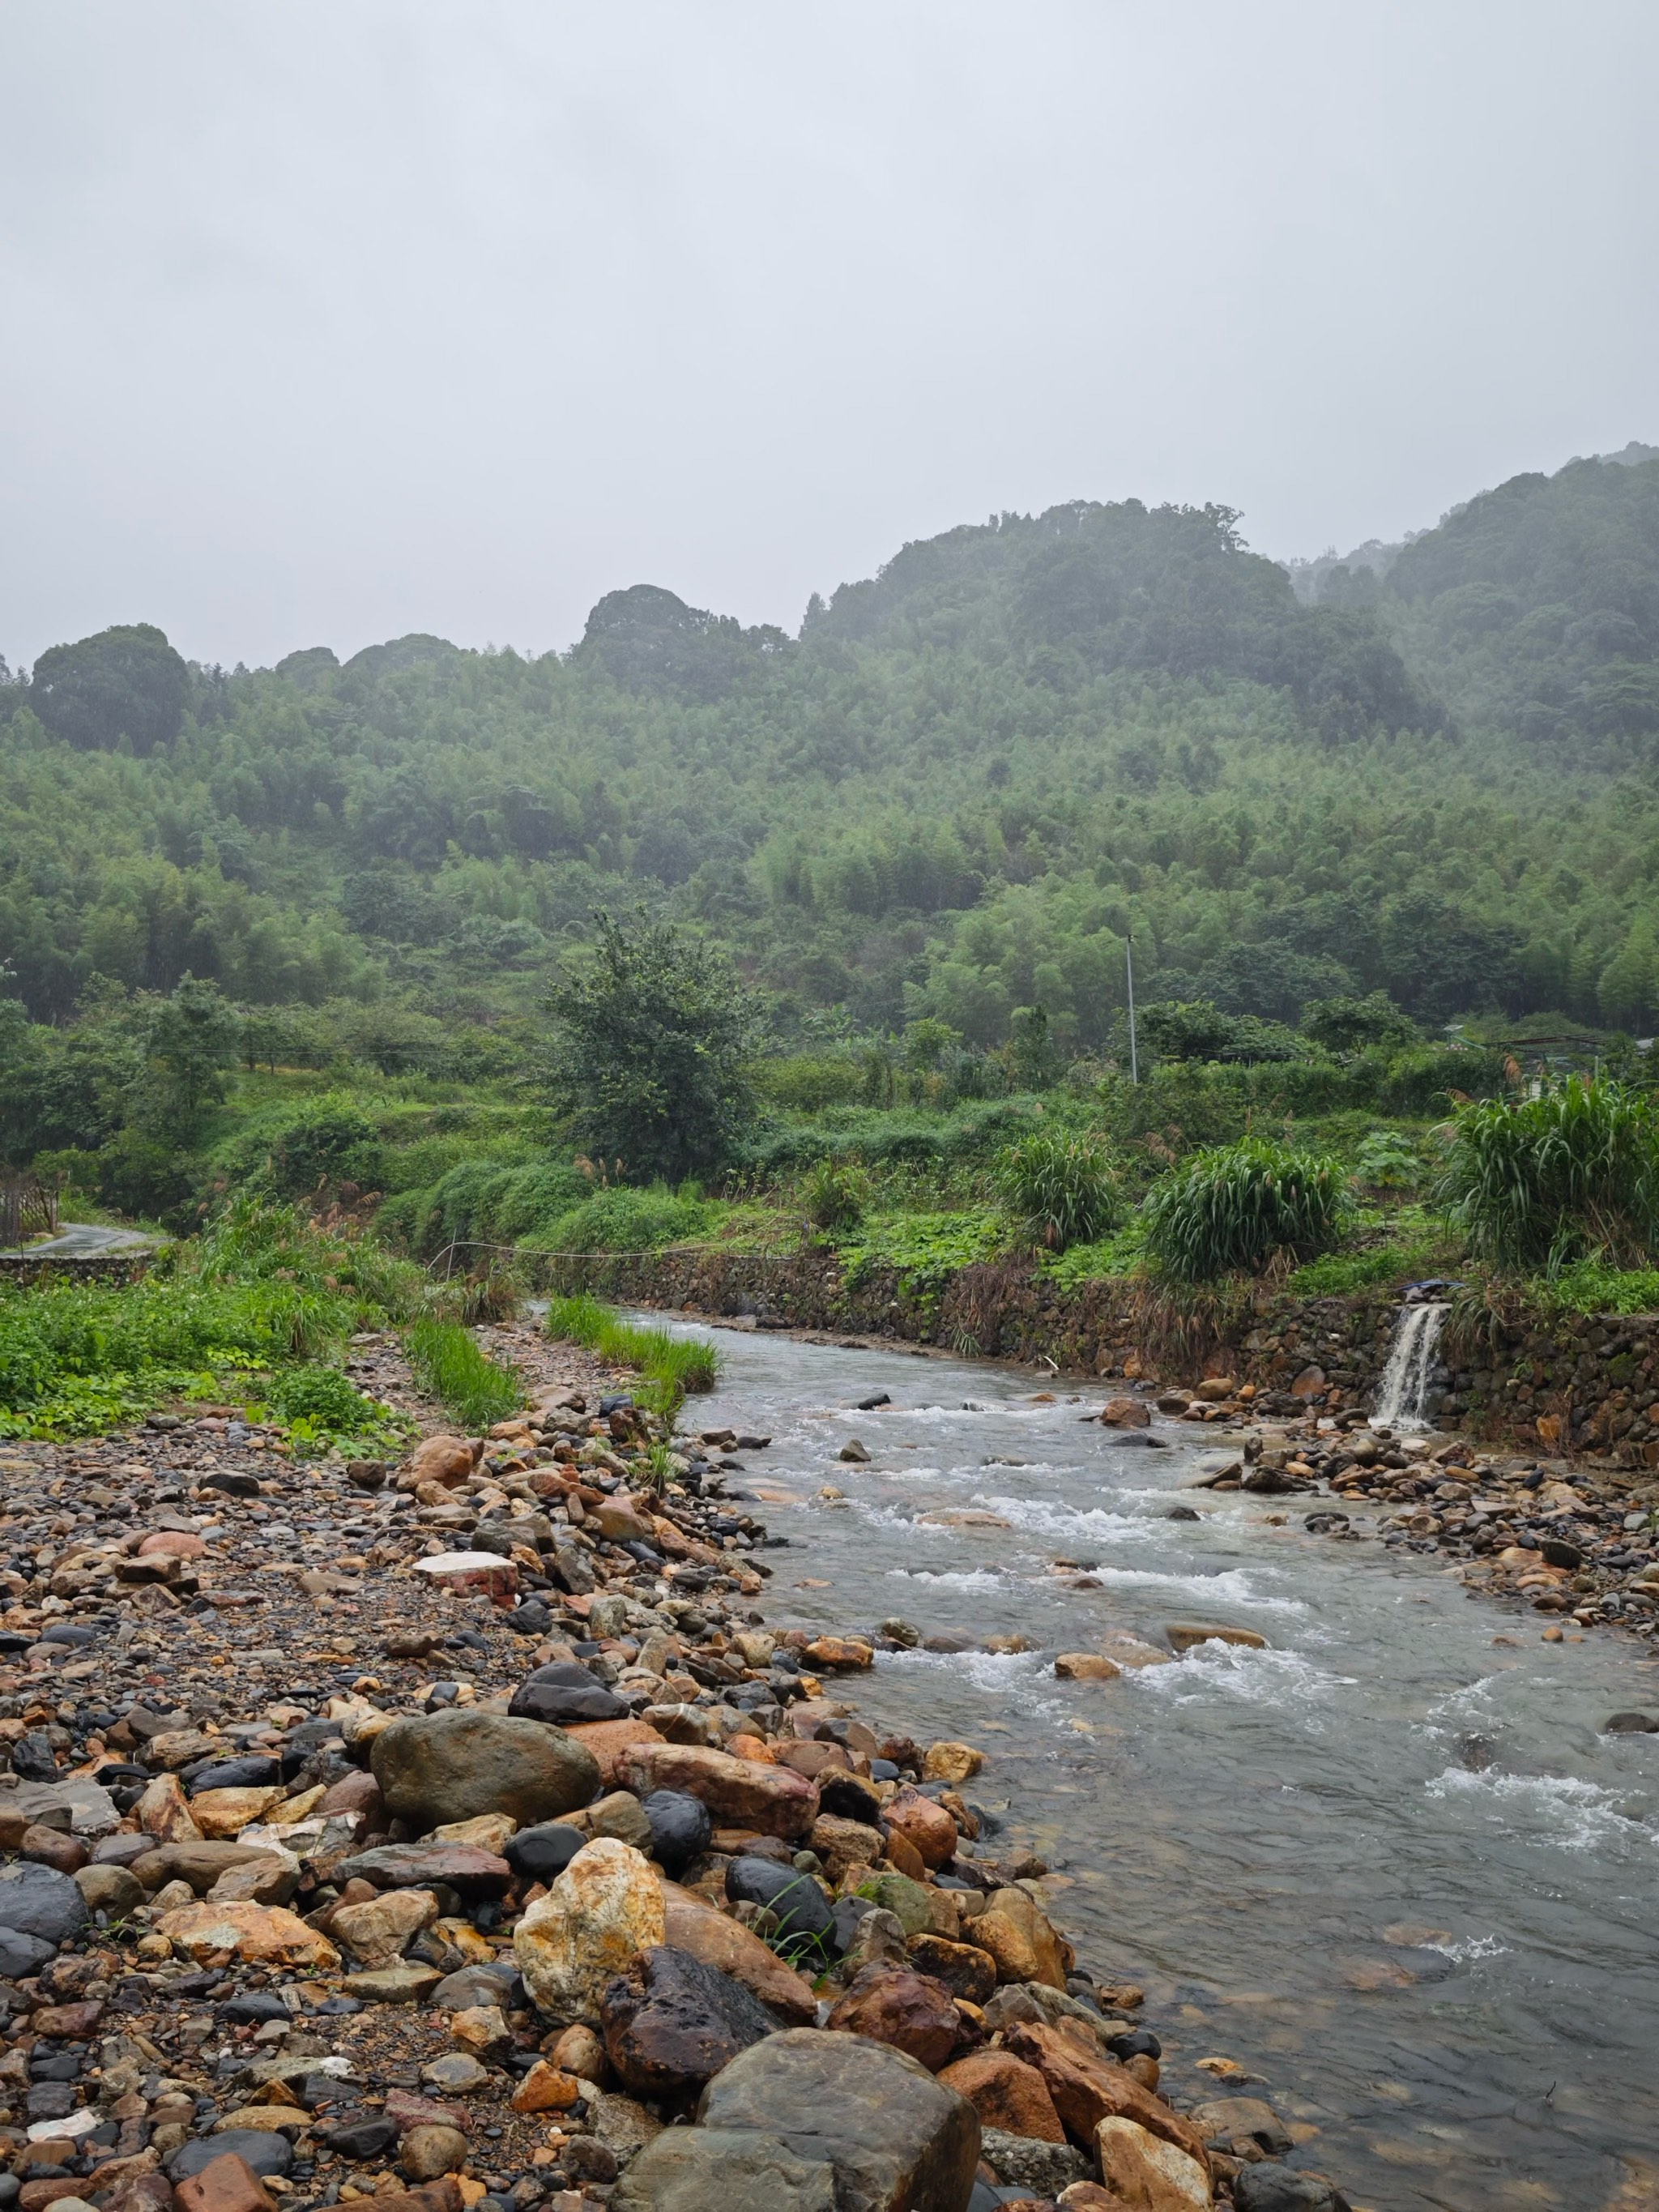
(953, 795)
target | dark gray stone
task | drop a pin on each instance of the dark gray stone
(801, 1906)
(540, 1853)
(33, 1757)
(564, 1694)
(37, 1900)
(265, 2153)
(23, 1954)
(477, 1985)
(681, 1828)
(231, 1774)
(1271, 2188)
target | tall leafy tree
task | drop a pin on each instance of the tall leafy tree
(652, 1041)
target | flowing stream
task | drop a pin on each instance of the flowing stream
(1388, 1865)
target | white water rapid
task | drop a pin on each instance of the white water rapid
(1403, 1391)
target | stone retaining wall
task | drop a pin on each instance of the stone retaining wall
(1568, 1384)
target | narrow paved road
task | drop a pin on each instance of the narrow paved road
(84, 1240)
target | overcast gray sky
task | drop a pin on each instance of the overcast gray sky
(323, 322)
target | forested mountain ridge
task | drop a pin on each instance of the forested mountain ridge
(952, 795)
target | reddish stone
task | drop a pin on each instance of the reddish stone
(226, 2183)
(895, 2005)
(926, 1827)
(71, 2021)
(1087, 2090)
(1006, 2093)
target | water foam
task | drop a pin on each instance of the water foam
(1560, 1810)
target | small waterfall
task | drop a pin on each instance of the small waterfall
(1402, 1392)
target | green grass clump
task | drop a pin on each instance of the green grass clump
(1233, 1207)
(448, 1363)
(1589, 1286)
(925, 1249)
(675, 1366)
(1058, 1190)
(1572, 1174)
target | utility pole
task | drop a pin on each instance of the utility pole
(1129, 956)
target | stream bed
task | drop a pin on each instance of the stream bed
(1389, 1865)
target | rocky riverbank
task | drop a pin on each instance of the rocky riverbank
(458, 1835)
(1578, 1543)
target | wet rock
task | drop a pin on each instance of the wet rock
(1184, 1635)
(895, 2005)
(955, 1762)
(773, 1801)
(1086, 1667)
(1631, 1724)
(598, 1913)
(854, 1453)
(1139, 2168)
(1271, 2188)
(37, 1900)
(564, 1693)
(681, 1828)
(1225, 2121)
(481, 1983)
(801, 1907)
(1019, 1936)
(445, 1766)
(622, 1815)
(227, 2183)
(363, 2139)
(1125, 1414)
(693, 1926)
(671, 2023)
(20, 1955)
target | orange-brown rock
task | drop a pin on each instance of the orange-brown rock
(966, 1971)
(946, 1761)
(164, 1812)
(1087, 2090)
(1017, 1933)
(447, 1459)
(172, 1544)
(842, 1844)
(775, 1801)
(610, 1741)
(897, 2005)
(546, 2088)
(1125, 1414)
(924, 1824)
(261, 1935)
(902, 1856)
(1141, 2169)
(1006, 2093)
(840, 1654)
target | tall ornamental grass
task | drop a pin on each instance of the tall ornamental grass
(1538, 1184)
(1058, 1190)
(1231, 1209)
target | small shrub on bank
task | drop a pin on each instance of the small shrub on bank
(1232, 1208)
(833, 1197)
(1059, 1191)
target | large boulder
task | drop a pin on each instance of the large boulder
(710, 1936)
(928, 1828)
(1018, 1934)
(671, 2023)
(439, 1767)
(604, 1907)
(1269, 2187)
(895, 2140)
(746, 1793)
(258, 1934)
(37, 1900)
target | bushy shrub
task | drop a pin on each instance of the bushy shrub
(1058, 1190)
(1540, 1182)
(1233, 1207)
(625, 1220)
(834, 1196)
